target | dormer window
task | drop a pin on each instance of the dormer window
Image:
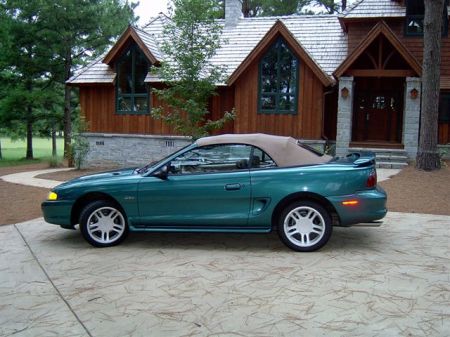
(415, 11)
(132, 96)
(278, 80)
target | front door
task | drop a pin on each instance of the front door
(206, 187)
(378, 114)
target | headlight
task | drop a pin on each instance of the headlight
(52, 196)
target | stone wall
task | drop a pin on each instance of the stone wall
(107, 150)
(411, 120)
(344, 116)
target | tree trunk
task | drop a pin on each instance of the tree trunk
(29, 133)
(67, 112)
(427, 156)
(53, 141)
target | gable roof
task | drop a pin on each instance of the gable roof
(279, 29)
(145, 41)
(380, 28)
(320, 36)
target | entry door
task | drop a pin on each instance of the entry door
(377, 116)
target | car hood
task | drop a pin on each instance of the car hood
(100, 177)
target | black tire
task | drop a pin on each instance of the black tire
(110, 231)
(304, 226)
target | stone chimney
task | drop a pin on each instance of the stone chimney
(233, 11)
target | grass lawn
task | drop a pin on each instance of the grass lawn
(14, 152)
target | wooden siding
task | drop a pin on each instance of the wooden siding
(444, 133)
(357, 31)
(98, 107)
(307, 123)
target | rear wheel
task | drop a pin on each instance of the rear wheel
(305, 226)
(103, 224)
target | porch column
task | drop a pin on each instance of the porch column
(344, 115)
(411, 119)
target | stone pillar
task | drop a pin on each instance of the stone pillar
(233, 12)
(411, 116)
(344, 115)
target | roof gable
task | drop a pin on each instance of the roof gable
(279, 29)
(144, 41)
(379, 28)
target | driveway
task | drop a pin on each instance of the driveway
(388, 281)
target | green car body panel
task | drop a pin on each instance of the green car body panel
(236, 201)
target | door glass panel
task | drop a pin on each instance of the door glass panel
(210, 159)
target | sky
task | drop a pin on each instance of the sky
(150, 8)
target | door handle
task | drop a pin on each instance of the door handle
(233, 187)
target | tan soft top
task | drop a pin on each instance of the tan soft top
(285, 151)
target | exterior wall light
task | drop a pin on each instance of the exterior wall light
(414, 93)
(345, 92)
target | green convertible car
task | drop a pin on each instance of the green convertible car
(251, 183)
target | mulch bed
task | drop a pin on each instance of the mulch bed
(410, 191)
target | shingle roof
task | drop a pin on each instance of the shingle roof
(374, 9)
(320, 35)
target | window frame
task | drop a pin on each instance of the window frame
(278, 94)
(134, 49)
(409, 17)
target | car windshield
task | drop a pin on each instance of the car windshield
(149, 166)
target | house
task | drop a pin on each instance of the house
(353, 79)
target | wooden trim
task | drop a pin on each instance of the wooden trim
(279, 29)
(380, 28)
(380, 73)
(116, 50)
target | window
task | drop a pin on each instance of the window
(444, 107)
(131, 91)
(214, 158)
(415, 10)
(260, 159)
(278, 80)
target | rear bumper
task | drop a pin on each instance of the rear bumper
(57, 212)
(371, 206)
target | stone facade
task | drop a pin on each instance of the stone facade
(344, 116)
(130, 150)
(411, 119)
(233, 12)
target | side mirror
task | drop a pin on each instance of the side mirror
(162, 173)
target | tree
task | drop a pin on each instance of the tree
(78, 31)
(24, 60)
(427, 156)
(192, 37)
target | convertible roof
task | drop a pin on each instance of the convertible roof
(285, 151)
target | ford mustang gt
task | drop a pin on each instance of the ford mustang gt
(252, 183)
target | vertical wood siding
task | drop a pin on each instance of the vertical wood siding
(307, 123)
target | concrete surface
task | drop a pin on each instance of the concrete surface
(388, 281)
(28, 178)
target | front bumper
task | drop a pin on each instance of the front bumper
(371, 206)
(57, 212)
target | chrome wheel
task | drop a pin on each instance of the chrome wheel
(103, 223)
(106, 225)
(304, 226)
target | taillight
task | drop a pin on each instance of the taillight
(372, 179)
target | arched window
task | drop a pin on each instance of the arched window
(131, 91)
(278, 80)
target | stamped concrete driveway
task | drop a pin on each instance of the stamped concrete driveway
(387, 281)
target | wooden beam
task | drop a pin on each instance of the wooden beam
(381, 72)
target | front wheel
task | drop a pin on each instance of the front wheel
(304, 226)
(103, 224)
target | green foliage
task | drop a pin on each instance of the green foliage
(191, 39)
(251, 8)
(80, 144)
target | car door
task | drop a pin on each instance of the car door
(206, 186)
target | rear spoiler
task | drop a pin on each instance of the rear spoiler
(362, 158)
